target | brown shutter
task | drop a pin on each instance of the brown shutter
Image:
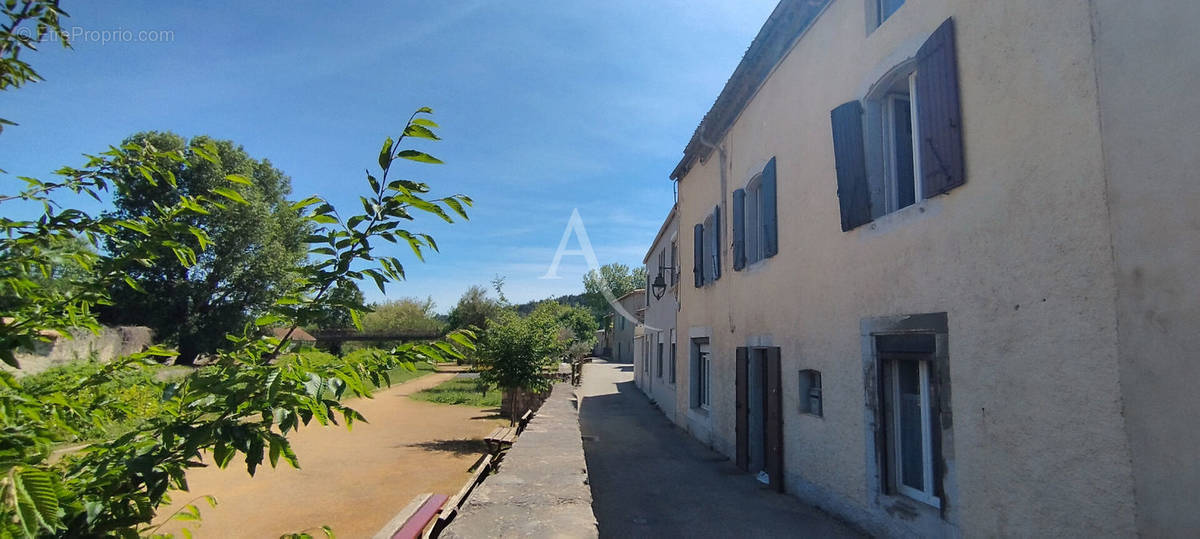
(774, 418)
(698, 254)
(739, 229)
(939, 118)
(743, 411)
(849, 158)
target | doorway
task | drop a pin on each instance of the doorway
(760, 414)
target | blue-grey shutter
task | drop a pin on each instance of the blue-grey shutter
(939, 118)
(716, 234)
(848, 156)
(739, 229)
(698, 254)
(769, 215)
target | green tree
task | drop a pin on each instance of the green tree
(514, 352)
(344, 297)
(255, 246)
(405, 315)
(473, 309)
(617, 278)
(576, 320)
(248, 401)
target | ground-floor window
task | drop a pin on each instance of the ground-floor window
(702, 369)
(672, 359)
(908, 386)
(660, 359)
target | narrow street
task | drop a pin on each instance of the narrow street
(650, 479)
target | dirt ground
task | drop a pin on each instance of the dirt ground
(353, 481)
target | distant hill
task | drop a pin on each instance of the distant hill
(575, 300)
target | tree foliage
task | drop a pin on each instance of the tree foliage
(405, 315)
(344, 297)
(249, 400)
(617, 278)
(473, 309)
(514, 351)
(251, 255)
(578, 321)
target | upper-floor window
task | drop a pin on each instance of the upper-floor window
(706, 262)
(879, 11)
(755, 222)
(674, 277)
(903, 142)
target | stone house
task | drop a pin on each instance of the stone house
(941, 255)
(625, 326)
(656, 373)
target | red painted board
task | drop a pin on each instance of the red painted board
(415, 524)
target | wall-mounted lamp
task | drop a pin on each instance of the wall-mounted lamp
(659, 288)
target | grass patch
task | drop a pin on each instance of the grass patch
(461, 391)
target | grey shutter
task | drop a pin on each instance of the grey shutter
(939, 117)
(739, 229)
(698, 254)
(768, 217)
(716, 234)
(848, 156)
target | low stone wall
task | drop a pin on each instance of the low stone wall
(541, 489)
(109, 344)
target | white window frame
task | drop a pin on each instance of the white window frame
(896, 459)
(703, 374)
(885, 101)
(753, 212)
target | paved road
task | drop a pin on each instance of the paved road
(650, 479)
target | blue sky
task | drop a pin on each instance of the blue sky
(545, 107)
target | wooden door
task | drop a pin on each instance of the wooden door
(742, 410)
(774, 419)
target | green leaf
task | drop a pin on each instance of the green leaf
(420, 131)
(385, 157)
(425, 122)
(231, 195)
(239, 178)
(306, 203)
(37, 504)
(425, 110)
(420, 157)
(267, 320)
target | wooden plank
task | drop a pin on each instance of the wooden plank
(397, 521)
(415, 524)
(451, 507)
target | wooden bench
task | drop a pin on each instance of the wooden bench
(412, 520)
(524, 421)
(451, 507)
(500, 439)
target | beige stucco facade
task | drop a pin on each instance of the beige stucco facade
(1062, 266)
(660, 383)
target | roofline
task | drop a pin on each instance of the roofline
(786, 25)
(671, 215)
(632, 292)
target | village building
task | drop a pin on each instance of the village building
(625, 325)
(941, 255)
(656, 373)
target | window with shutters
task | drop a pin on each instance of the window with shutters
(660, 359)
(902, 142)
(755, 228)
(709, 248)
(671, 364)
(673, 278)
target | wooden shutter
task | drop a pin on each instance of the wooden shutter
(743, 410)
(939, 118)
(768, 218)
(716, 243)
(774, 419)
(698, 254)
(739, 229)
(849, 158)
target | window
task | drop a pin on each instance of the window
(701, 367)
(673, 278)
(810, 392)
(885, 9)
(908, 413)
(660, 360)
(645, 355)
(903, 142)
(671, 364)
(755, 229)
